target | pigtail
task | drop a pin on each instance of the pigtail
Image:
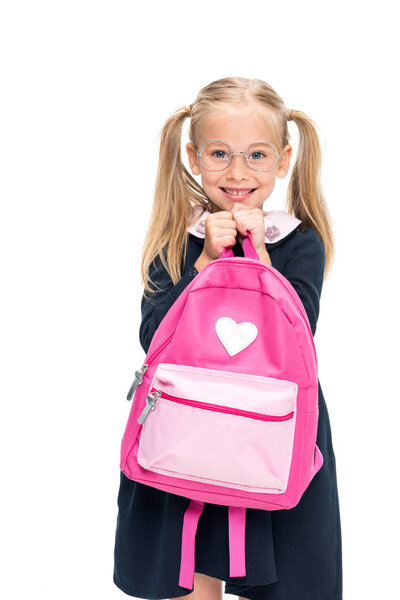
(305, 197)
(176, 192)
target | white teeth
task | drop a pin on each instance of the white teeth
(241, 193)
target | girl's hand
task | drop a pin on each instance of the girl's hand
(220, 233)
(250, 221)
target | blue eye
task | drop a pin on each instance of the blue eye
(260, 153)
(219, 152)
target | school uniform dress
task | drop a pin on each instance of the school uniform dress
(291, 554)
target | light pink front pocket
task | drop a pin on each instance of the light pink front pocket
(219, 427)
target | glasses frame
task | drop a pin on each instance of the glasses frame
(240, 152)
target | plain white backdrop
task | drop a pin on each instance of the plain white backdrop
(86, 87)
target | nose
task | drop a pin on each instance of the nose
(238, 168)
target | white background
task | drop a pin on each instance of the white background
(86, 87)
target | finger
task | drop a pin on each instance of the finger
(223, 223)
(226, 231)
(223, 214)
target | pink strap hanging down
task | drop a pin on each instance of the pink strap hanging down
(237, 523)
(237, 526)
(190, 520)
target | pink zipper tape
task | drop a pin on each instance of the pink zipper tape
(225, 409)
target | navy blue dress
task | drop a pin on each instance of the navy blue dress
(291, 554)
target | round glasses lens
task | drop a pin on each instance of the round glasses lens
(215, 155)
(261, 156)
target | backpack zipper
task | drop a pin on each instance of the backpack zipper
(150, 405)
(155, 394)
(139, 374)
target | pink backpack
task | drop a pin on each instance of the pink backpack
(225, 405)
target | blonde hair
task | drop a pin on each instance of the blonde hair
(177, 192)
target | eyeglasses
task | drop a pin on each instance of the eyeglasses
(216, 155)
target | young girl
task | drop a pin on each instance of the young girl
(239, 144)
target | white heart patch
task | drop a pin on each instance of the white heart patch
(235, 336)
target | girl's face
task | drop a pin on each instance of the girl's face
(238, 127)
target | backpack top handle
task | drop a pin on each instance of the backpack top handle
(248, 249)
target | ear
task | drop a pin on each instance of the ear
(284, 161)
(192, 157)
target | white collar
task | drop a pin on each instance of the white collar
(278, 224)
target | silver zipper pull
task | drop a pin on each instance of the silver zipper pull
(137, 381)
(150, 405)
